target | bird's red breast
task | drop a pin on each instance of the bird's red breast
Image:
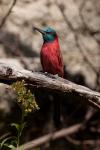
(51, 58)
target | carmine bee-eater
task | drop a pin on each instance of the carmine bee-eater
(51, 58)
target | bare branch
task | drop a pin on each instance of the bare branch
(8, 13)
(51, 136)
(85, 142)
(11, 73)
(75, 32)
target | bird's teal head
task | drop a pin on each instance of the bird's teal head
(48, 34)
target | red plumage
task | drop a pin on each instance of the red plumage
(51, 58)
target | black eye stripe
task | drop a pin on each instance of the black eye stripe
(48, 32)
(52, 33)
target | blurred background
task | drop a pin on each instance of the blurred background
(77, 23)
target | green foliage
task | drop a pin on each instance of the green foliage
(19, 127)
(8, 142)
(27, 102)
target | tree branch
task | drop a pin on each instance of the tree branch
(8, 13)
(51, 136)
(75, 33)
(36, 79)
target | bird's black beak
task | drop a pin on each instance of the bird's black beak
(39, 30)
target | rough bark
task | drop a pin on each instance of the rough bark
(54, 83)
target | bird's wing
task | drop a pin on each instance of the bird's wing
(51, 60)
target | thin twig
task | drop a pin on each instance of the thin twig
(8, 13)
(86, 55)
(51, 136)
(85, 142)
(5, 135)
(75, 32)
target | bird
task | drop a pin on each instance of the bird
(52, 62)
(50, 54)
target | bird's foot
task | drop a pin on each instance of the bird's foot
(56, 76)
(47, 74)
(50, 75)
(59, 78)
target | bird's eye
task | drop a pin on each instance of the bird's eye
(51, 33)
(48, 32)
